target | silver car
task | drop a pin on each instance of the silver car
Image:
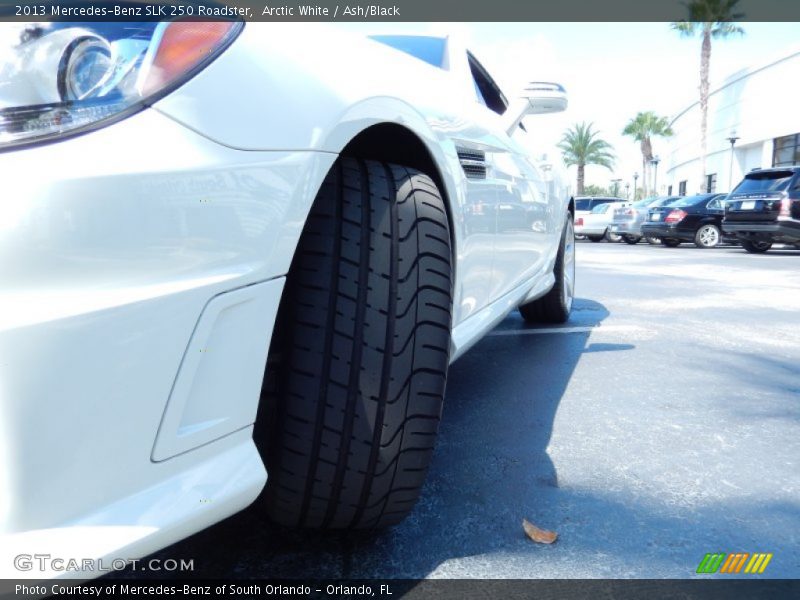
(627, 220)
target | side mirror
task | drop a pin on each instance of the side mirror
(538, 98)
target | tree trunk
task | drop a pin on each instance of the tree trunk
(647, 151)
(705, 61)
(644, 167)
(580, 179)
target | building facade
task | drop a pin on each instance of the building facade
(757, 109)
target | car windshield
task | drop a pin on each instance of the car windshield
(601, 208)
(645, 203)
(583, 204)
(767, 181)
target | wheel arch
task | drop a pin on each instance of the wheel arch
(394, 143)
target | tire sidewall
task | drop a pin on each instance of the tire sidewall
(565, 299)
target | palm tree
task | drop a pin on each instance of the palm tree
(581, 146)
(709, 19)
(642, 128)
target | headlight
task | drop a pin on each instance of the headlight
(63, 78)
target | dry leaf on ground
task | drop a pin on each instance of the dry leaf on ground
(541, 536)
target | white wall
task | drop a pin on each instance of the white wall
(758, 102)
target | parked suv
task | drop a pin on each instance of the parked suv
(765, 209)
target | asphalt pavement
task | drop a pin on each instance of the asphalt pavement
(661, 423)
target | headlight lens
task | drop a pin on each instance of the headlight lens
(63, 78)
(87, 63)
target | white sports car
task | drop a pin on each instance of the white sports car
(229, 254)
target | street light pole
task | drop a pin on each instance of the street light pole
(732, 139)
(635, 179)
(654, 161)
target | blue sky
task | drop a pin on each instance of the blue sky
(610, 70)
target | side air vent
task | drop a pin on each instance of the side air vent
(473, 162)
(467, 154)
(474, 171)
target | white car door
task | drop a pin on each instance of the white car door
(526, 225)
(477, 231)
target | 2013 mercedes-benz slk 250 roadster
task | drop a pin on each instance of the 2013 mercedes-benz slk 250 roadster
(234, 264)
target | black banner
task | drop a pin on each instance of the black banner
(382, 10)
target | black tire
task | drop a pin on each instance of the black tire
(653, 241)
(631, 239)
(596, 238)
(756, 247)
(670, 243)
(707, 236)
(555, 306)
(360, 358)
(612, 237)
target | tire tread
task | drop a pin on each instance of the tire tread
(363, 336)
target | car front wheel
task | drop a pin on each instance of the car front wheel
(596, 238)
(556, 305)
(631, 239)
(356, 376)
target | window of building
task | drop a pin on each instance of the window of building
(669, 190)
(711, 183)
(786, 151)
(682, 188)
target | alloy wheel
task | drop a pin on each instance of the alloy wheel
(708, 236)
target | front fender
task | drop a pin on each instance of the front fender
(271, 90)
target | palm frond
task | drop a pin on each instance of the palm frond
(716, 15)
(685, 28)
(646, 125)
(723, 30)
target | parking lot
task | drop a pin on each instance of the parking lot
(661, 423)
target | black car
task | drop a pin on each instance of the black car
(765, 208)
(695, 219)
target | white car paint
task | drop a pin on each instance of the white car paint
(597, 221)
(129, 252)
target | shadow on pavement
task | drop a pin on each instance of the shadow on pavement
(490, 469)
